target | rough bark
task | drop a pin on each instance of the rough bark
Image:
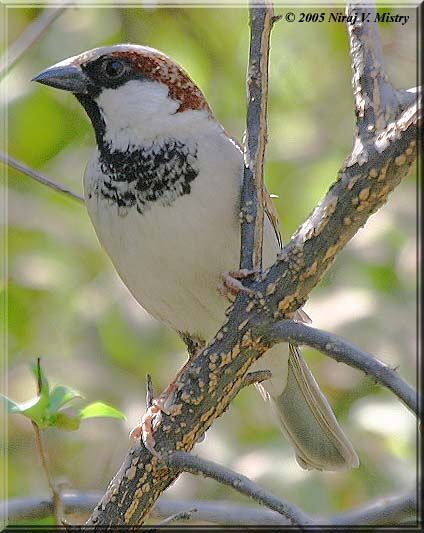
(383, 152)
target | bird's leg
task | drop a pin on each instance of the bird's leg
(231, 285)
(166, 399)
(150, 393)
(144, 429)
(153, 415)
(162, 404)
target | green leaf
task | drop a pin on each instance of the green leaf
(36, 408)
(12, 407)
(45, 409)
(60, 396)
(36, 411)
(31, 409)
(64, 421)
(97, 409)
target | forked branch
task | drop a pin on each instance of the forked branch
(185, 462)
(384, 150)
(343, 351)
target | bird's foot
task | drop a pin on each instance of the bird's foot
(144, 430)
(153, 415)
(231, 285)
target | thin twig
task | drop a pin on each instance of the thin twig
(28, 38)
(257, 377)
(150, 393)
(387, 510)
(216, 512)
(342, 350)
(39, 376)
(41, 178)
(252, 193)
(182, 515)
(196, 465)
(409, 96)
(390, 509)
(56, 500)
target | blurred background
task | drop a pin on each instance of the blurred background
(67, 305)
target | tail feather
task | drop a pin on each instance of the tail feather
(309, 422)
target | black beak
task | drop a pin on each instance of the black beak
(66, 77)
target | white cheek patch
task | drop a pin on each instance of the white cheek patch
(135, 106)
(141, 112)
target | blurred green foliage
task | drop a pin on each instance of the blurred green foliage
(67, 304)
(51, 407)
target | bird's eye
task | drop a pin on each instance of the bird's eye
(113, 68)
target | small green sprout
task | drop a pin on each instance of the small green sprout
(51, 407)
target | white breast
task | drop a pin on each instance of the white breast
(171, 257)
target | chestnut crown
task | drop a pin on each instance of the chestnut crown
(111, 67)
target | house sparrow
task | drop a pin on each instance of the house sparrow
(163, 191)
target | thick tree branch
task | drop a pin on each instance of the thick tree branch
(210, 381)
(252, 201)
(37, 176)
(361, 188)
(376, 101)
(185, 462)
(343, 351)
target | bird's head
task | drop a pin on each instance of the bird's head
(130, 93)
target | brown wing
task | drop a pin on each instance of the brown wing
(272, 215)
